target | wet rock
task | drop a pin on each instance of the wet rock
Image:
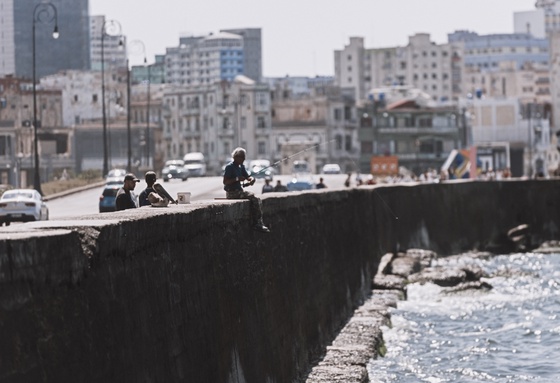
(385, 264)
(424, 256)
(441, 276)
(338, 374)
(548, 247)
(361, 331)
(389, 282)
(474, 285)
(405, 266)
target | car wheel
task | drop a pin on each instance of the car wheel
(165, 180)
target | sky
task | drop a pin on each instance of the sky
(299, 37)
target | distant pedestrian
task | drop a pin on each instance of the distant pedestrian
(347, 182)
(321, 184)
(267, 187)
(279, 187)
(125, 199)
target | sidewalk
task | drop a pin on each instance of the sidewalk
(73, 191)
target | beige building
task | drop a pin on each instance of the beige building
(215, 119)
(324, 122)
(530, 83)
(432, 68)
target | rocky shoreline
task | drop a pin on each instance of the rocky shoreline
(361, 339)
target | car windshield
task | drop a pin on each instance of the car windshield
(110, 192)
(13, 195)
(116, 173)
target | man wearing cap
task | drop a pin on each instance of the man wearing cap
(124, 197)
(150, 178)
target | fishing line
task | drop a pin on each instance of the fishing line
(293, 155)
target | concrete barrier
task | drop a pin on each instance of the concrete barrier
(190, 293)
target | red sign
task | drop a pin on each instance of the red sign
(385, 166)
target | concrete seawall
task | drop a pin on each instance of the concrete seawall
(190, 293)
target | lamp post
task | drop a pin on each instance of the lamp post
(148, 118)
(41, 13)
(109, 28)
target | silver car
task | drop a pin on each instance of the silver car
(22, 205)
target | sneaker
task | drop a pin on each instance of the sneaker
(262, 228)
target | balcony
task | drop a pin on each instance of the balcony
(191, 134)
(226, 133)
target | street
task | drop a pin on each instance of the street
(203, 188)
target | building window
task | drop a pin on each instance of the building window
(261, 122)
(262, 148)
(366, 147)
(94, 98)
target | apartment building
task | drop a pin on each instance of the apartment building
(204, 60)
(216, 118)
(433, 68)
(17, 132)
(324, 119)
(408, 124)
(108, 33)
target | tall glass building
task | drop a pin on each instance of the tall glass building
(70, 51)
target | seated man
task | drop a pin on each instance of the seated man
(234, 174)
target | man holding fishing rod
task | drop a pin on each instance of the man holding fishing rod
(234, 174)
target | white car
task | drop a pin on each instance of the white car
(22, 205)
(331, 169)
(115, 176)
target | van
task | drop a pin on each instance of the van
(195, 163)
(300, 167)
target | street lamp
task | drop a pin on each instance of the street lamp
(41, 13)
(109, 28)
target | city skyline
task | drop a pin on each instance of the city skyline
(302, 42)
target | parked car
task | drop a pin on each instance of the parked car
(301, 183)
(22, 205)
(261, 169)
(175, 169)
(115, 176)
(331, 169)
(108, 198)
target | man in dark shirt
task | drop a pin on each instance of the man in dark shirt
(234, 174)
(321, 184)
(124, 197)
(150, 178)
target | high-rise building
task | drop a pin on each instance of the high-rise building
(202, 60)
(114, 44)
(252, 59)
(70, 51)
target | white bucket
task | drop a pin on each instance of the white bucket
(184, 197)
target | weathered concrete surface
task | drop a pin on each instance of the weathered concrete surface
(191, 293)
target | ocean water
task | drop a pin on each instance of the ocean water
(510, 333)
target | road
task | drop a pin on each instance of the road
(203, 188)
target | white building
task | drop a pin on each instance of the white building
(205, 60)
(216, 118)
(434, 69)
(114, 43)
(82, 95)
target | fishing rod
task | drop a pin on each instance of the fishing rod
(291, 156)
